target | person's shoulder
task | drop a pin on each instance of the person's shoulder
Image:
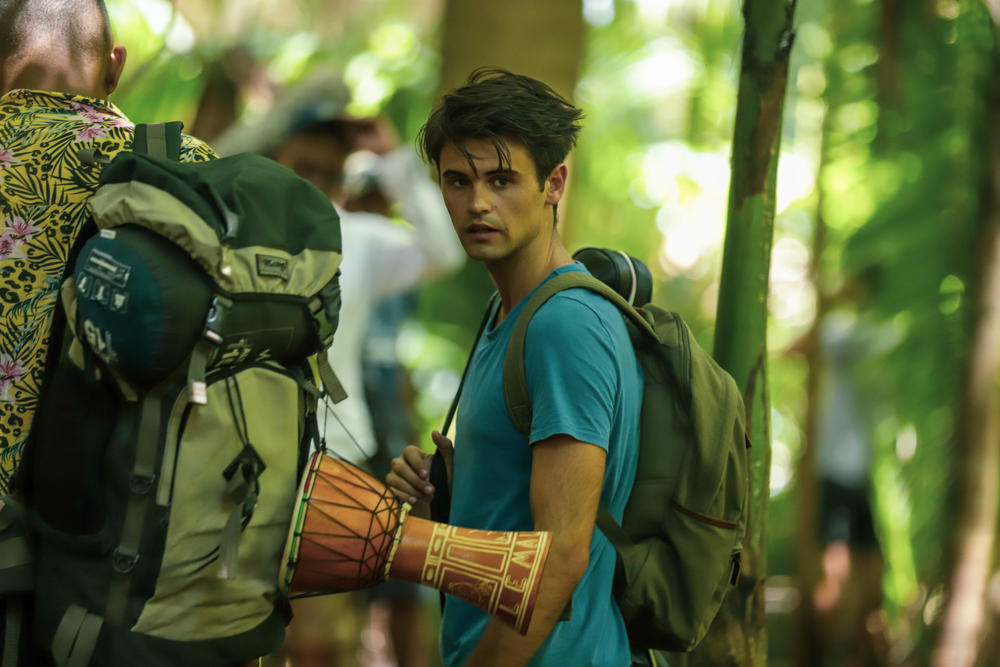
(576, 313)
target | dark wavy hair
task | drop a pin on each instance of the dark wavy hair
(499, 106)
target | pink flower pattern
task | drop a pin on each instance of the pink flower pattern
(91, 132)
(10, 247)
(7, 158)
(97, 122)
(21, 228)
(11, 371)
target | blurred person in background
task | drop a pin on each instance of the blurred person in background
(847, 627)
(360, 165)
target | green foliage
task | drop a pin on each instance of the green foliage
(887, 148)
(903, 187)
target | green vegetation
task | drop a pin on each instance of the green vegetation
(884, 207)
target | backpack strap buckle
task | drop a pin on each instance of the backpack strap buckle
(140, 484)
(122, 562)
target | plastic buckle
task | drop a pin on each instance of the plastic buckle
(122, 563)
(215, 318)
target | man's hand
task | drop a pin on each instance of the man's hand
(411, 472)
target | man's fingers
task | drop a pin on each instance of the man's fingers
(418, 460)
(402, 489)
(442, 442)
(408, 478)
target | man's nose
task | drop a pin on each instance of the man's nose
(482, 198)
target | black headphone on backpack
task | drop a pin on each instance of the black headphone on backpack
(625, 274)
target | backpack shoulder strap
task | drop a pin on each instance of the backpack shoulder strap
(515, 385)
(162, 140)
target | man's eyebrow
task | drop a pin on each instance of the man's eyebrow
(503, 171)
(453, 172)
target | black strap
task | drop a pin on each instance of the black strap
(465, 372)
(441, 502)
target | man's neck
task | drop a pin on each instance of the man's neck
(53, 74)
(515, 277)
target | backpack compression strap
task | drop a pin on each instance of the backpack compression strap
(162, 140)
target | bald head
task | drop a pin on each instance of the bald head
(62, 45)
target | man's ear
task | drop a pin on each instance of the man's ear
(555, 184)
(115, 65)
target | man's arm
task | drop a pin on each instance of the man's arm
(566, 480)
(429, 247)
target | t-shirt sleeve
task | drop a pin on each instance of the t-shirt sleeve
(571, 370)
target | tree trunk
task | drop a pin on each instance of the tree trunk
(978, 446)
(543, 40)
(738, 636)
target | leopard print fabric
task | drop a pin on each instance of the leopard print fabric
(45, 188)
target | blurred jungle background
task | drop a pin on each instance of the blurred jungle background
(876, 475)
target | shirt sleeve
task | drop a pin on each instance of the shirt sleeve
(195, 150)
(572, 372)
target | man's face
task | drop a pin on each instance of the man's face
(497, 210)
(319, 159)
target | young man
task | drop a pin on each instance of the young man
(499, 145)
(58, 64)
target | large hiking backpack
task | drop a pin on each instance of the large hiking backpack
(163, 465)
(680, 541)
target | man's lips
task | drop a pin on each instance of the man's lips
(480, 228)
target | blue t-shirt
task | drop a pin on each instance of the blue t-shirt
(584, 381)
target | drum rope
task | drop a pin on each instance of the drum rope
(327, 411)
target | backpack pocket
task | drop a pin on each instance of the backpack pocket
(252, 420)
(676, 585)
(73, 427)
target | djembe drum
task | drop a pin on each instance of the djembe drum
(349, 532)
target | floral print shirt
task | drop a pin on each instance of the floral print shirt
(45, 190)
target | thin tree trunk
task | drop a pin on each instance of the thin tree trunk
(978, 447)
(739, 636)
(543, 40)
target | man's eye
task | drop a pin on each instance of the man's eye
(500, 181)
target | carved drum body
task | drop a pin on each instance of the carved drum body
(349, 532)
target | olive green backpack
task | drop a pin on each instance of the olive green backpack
(681, 535)
(161, 470)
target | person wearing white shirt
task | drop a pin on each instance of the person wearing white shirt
(382, 257)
